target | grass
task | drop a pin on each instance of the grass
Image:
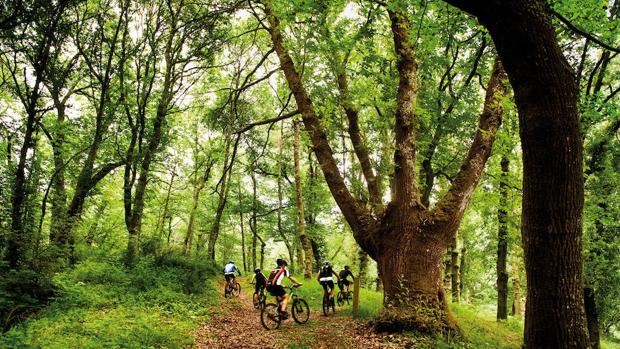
(103, 305)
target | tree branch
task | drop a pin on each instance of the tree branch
(267, 121)
(451, 207)
(357, 215)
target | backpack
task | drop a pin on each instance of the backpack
(272, 276)
(326, 271)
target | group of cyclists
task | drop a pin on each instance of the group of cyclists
(273, 282)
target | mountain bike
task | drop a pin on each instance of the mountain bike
(344, 296)
(328, 302)
(270, 315)
(259, 299)
(232, 289)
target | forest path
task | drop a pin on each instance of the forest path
(234, 323)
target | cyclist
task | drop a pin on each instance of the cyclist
(326, 280)
(229, 271)
(344, 279)
(259, 280)
(275, 288)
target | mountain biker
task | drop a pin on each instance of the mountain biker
(275, 288)
(229, 271)
(260, 281)
(344, 281)
(326, 280)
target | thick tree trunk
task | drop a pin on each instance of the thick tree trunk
(502, 243)
(546, 97)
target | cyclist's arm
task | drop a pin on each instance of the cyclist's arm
(294, 280)
(337, 276)
(253, 278)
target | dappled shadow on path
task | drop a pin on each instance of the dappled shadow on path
(236, 324)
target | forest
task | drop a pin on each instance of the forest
(461, 157)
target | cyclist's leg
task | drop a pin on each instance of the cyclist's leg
(331, 289)
(324, 285)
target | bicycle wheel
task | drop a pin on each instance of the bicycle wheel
(270, 317)
(332, 303)
(236, 291)
(226, 291)
(256, 300)
(301, 311)
(349, 298)
(340, 299)
(325, 305)
(263, 300)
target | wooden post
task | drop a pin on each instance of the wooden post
(356, 295)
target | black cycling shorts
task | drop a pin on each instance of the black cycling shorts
(229, 277)
(276, 290)
(345, 282)
(327, 283)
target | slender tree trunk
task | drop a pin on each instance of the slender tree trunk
(161, 221)
(290, 248)
(253, 221)
(18, 241)
(187, 242)
(245, 265)
(59, 193)
(299, 195)
(229, 159)
(502, 243)
(454, 274)
(592, 315)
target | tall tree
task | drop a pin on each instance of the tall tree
(546, 97)
(502, 242)
(407, 240)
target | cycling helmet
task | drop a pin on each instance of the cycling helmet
(326, 262)
(346, 267)
(257, 270)
(279, 261)
(284, 262)
(230, 261)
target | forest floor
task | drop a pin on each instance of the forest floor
(236, 324)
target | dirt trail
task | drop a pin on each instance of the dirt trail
(236, 324)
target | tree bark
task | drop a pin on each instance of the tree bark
(502, 242)
(454, 274)
(290, 247)
(299, 196)
(245, 264)
(229, 160)
(546, 97)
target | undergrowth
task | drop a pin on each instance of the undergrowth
(101, 304)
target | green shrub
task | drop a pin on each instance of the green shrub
(22, 292)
